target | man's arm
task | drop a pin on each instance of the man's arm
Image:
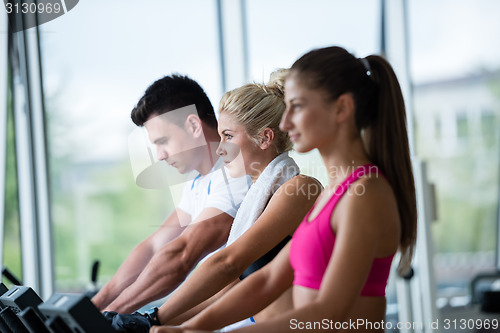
(139, 258)
(172, 263)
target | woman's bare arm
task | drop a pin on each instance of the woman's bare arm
(249, 296)
(281, 217)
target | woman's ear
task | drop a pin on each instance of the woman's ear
(344, 107)
(266, 138)
(193, 125)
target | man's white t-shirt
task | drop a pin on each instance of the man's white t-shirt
(216, 189)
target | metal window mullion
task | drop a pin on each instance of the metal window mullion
(425, 245)
(421, 300)
(4, 40)
(39, 146)
(32, 163)
(244, 40)
(220, 33)
(498, 223)
(233, 43)
(27, 206)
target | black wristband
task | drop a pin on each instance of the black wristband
(152, 315)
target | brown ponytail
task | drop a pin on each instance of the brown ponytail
(388, 147)
(380, 115)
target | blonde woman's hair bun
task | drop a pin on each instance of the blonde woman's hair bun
(277, 81)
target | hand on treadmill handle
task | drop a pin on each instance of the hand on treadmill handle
(132, 323)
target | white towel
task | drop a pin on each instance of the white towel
(278, 172)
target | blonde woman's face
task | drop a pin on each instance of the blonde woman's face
(236, 148)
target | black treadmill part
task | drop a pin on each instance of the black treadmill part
(77, 311)
(93, 275)
(57, 325)
(9, 276)
(3, 289)
(19, 298)
(32, 321)
(491, 301)
(3, 326)
(12, 321)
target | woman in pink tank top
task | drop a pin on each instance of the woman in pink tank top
(338, 261)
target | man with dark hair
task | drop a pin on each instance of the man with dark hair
(171, 93)
(181, 123)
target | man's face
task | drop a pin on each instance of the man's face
(174, 144)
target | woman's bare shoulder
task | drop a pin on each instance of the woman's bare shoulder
(300, 190)
(303, 180)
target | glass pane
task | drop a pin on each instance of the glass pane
(456, 69)
(98, 59)
(12, 238)
(317, 23)
(309, 25)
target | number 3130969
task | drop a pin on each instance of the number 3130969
(32, 8)
(470, 324)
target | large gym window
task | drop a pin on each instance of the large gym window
(98, 60)
(456, 79)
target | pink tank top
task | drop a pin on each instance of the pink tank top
(313, 242)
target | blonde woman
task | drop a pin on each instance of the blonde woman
(251, 144)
